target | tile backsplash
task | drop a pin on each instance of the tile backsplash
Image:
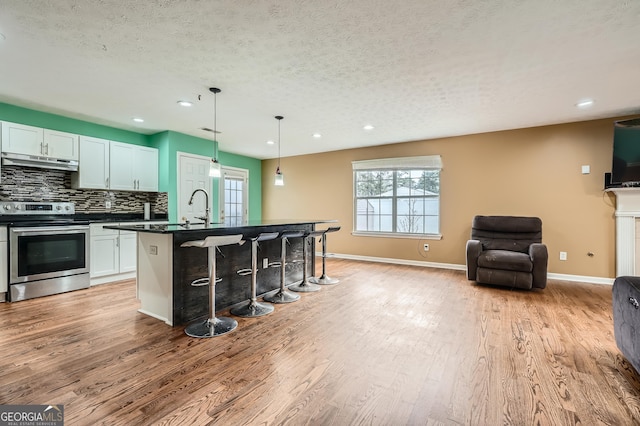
(33, 184)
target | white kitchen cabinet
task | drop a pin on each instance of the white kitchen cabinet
(121, 166)
(61, 145)
(128, 251)
(113, 253)
(146, 168)
(22, 139)
(133, 167)
(104, 252)
(30, 140)
(93, 168)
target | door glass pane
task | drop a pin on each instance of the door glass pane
(234, 196)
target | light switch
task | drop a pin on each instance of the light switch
(586, 169)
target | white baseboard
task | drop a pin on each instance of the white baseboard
(113, 278)
(458, 267)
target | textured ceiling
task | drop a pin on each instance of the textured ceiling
(414, 69)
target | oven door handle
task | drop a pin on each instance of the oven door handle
(51, 229)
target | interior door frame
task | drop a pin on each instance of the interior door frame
(239, 172)
(179, 155)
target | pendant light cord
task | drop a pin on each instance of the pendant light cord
(215, 91)
(215, 137)
(278, 143)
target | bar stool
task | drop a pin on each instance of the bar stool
(283, 295)
(305, 286)
(254, 308)
(324, 278)
(212, 326)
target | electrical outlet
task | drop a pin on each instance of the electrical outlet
(107, 204)
(153, 250)
(426, 247)
(563, 255)
(265, 263)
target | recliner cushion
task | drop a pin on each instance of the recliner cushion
(506, 232)
(506, 260)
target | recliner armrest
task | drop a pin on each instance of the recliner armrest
(474, 248)
(539, 258)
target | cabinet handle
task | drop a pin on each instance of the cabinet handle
(117, 241)
(106, 183)
(47, 149)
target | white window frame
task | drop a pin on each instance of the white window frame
(429, 162)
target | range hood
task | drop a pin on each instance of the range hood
(24, 160)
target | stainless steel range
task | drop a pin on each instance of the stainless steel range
(48, 250)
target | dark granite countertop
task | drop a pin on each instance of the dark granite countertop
(86, 217)
(214, 227)
(119, 217)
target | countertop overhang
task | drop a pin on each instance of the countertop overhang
(215, 228)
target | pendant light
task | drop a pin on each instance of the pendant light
(214, 167)
(279, 180)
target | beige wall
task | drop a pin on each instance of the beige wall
(532, 172)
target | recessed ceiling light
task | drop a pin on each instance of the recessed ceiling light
(270, 142)
(138, 120)
(185, 103)
(317, 135)
(368, 127)
(586, 103)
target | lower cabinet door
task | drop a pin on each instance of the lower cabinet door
(104, 255)
(128, 251)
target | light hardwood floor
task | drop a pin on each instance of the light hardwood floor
(389, 345)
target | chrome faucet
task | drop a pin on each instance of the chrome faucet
(206, 216)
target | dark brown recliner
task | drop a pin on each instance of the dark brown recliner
(507, 251)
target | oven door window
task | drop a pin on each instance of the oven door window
(39, 254)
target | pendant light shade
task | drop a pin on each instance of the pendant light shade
(214, 166)
(279, 178)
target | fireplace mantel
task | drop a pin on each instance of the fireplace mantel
(627, 211)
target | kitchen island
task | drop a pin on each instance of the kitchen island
(165, 269)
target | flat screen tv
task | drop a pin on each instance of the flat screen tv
(625, 168)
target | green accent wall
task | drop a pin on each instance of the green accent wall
(168, 144)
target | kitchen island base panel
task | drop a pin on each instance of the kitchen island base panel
(155, 276)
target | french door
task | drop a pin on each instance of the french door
(234, 196)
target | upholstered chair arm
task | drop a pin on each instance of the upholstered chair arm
(539, 258)
(474, 248)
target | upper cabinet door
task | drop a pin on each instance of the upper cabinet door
(60, 145)
(22, 139)
(93, 166)
(146, 169)
(121, 157)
